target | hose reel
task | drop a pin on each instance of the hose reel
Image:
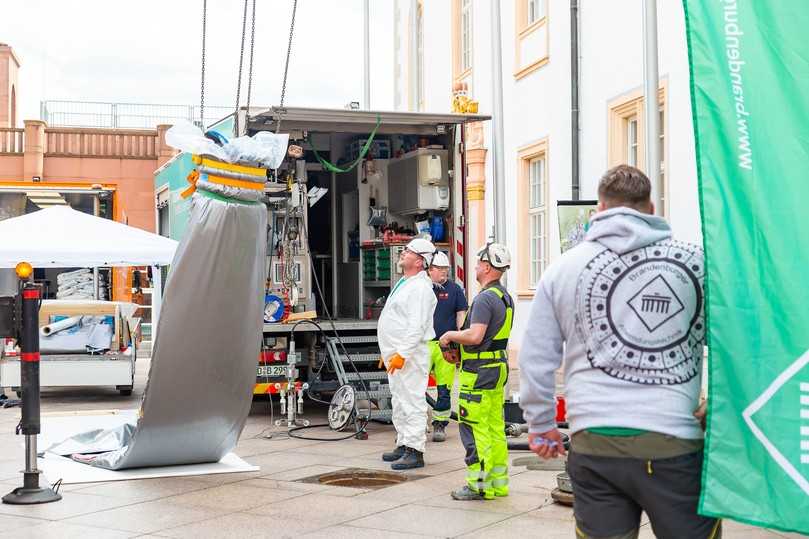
(342, 407)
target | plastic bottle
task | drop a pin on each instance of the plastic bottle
(437, 228)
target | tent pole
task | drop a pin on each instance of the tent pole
(95, 283)
(157, 298)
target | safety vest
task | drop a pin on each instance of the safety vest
(499, 344)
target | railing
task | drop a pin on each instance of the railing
(11, 140)
(122, 144)
(123, 115)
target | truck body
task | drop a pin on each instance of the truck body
(343, 255)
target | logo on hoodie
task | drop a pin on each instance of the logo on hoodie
(641, 313)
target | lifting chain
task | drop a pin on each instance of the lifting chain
(250, 64)
(286, 68)
(202, 77)
(239, 79)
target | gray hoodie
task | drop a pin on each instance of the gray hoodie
(625, 310)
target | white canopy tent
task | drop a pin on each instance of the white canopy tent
(61, 237)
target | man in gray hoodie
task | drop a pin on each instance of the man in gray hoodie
(624, 309)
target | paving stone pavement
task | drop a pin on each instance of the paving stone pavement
(273, 503)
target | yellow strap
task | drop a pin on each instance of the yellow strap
(242, 184)
(213, 163)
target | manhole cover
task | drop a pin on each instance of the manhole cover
(360, 478)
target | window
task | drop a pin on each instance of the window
(420, 57)
(163, 221)
(163, 217)
(536, 215)
(531, 43)
(632, 141)
(627, 135)
(536, 10)
(661, 122)
(462, 45)
(466, 35)
(532, 231)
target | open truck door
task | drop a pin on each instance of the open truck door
(338, 136)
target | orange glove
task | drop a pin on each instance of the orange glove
(396, 363)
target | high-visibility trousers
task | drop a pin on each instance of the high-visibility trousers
(481, 424)
(444, 374)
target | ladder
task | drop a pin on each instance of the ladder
(369, 385)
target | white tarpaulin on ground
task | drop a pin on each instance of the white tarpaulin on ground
(59, 426)
(61, 237)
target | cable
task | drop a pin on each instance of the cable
(286, 67)
(266, 379)
(292, 430)
(322, 363)
(239, 79)
(359, 423)
(250, 65)
(202, 76)
(329, 316)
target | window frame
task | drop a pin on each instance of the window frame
(527, 278)
(621, 111)
(466, 35)
(542, 12)
(524, 28)
(162, 200)
(538, 212)
(632, 128)
(459, 73)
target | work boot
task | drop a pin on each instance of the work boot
(412, 459)
(466, 494)
(394, 455)
(439, 432)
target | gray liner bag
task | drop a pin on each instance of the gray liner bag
(207, 345)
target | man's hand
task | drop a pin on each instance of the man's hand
(547, 445)
(396, 362)
(451, 356)
(701, 413)
(444, 341)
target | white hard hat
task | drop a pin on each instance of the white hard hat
(440, 260)
(495, 254)
(422, 247)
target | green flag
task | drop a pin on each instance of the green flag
(749, 64)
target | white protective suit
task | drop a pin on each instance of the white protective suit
(405, 327)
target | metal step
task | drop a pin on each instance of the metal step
(378, 415)
(360, 357)
(379, 393)
(375, 375)
(354, 339)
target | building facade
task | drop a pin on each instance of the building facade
(438, 45)
(68, 165)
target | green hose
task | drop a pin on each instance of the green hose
(331, 167)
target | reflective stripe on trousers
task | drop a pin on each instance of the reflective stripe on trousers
(477, 481)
